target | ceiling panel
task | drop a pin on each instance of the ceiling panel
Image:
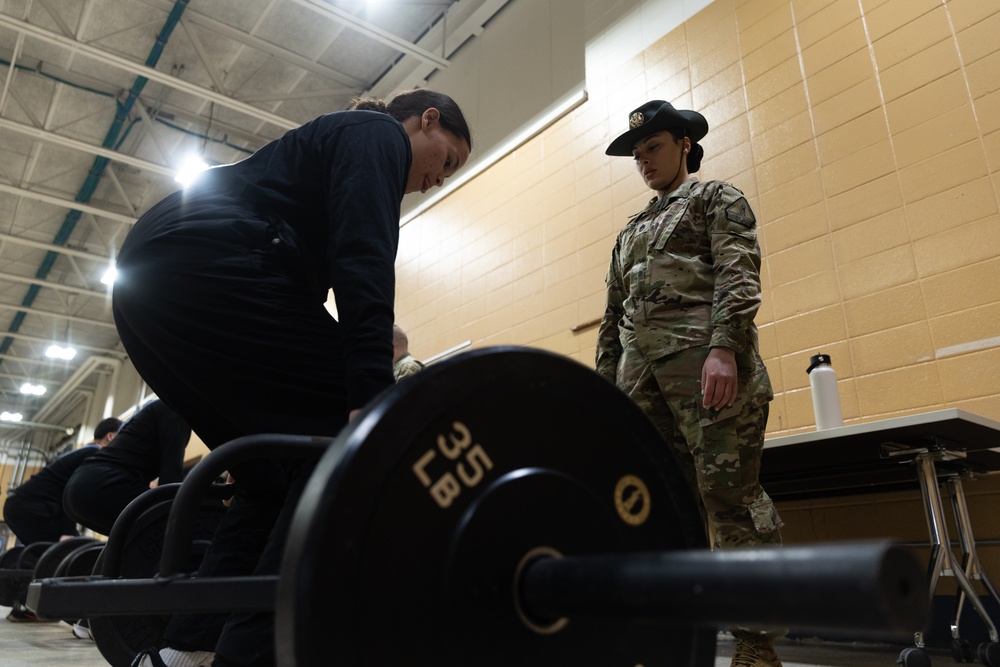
(94, 117)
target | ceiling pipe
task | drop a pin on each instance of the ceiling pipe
(150, 73)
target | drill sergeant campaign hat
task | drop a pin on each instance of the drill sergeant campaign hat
(653, 117)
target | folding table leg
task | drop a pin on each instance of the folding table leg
(971, 566)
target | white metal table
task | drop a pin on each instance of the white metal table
(934, 449)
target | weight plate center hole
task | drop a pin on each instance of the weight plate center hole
(541, 626)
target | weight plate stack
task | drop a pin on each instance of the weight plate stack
(49, 561)
(18, 571)
(409, 538)
(9, 558)
(80, 562)
(119, 638)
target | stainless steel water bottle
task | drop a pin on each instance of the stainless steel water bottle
(826, 398)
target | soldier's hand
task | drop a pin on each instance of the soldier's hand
(719, 381)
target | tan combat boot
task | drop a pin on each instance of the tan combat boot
(754, 650)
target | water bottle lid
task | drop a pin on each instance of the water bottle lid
(818, 360)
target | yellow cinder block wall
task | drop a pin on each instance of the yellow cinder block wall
(867, 138)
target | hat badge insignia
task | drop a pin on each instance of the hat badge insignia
(635, 120)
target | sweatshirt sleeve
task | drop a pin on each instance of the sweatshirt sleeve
(366, 170)
(173, 435)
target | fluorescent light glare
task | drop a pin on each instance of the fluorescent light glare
(110, 275)
(190, 168)
(10, 416)
(32, 389)
(59, 352)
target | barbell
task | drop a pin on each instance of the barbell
(506, 506)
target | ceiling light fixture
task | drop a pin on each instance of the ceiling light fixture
(59, 352)
(190, 168)
(32, 389)
(110, 275)
(10, 416)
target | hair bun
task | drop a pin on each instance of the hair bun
(694, 158)
(368, 104)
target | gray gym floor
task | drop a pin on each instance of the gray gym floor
(53, 645)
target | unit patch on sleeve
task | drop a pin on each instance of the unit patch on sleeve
(741, 213)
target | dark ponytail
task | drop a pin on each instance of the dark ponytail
(414, 102)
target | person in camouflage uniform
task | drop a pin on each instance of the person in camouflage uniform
(678, 334)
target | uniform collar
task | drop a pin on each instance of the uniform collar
(682, 191)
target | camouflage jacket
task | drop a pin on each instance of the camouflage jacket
(685, 272)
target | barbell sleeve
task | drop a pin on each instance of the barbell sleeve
(874, 588)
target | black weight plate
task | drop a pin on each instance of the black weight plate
(49, 561)
(14, 586)
(80, 562)
(30, 554)
(14, 582)
(399, 554)
(8, 561)
(119, 638)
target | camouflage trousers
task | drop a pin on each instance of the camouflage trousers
(719, 451)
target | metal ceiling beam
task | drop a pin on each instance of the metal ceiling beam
(61, 316)
(66, 203)
(73, 384)
(304, 95)
(168, 111)
(259, 44)
(178, 114)
(23, 378)
(22, 360)
(373, 31)
(79, 346)
(41, 376)
(49, 427)
(41, 245)
(465, 19)
(148, 72)
(52, 137)
(206, 61)
(45, 283)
